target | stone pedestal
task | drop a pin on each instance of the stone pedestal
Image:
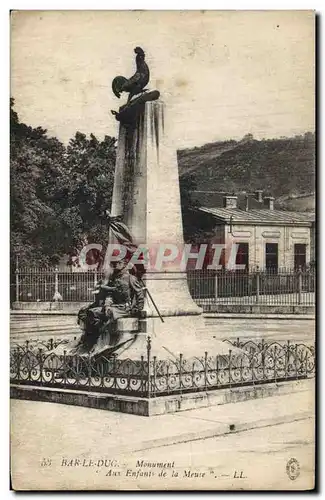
(146, 194)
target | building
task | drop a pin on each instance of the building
(266, 237)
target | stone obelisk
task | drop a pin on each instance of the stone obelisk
(147, 196)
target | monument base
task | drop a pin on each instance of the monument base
(156, 406)
(174, 336)
(177, 335)
(171, 295)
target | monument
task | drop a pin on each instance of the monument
(145, 217)
(146, 197)
(159, 358)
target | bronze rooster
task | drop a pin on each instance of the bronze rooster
(134, 85)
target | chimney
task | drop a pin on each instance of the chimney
(247, 202)
(230, 201)
(269, 202)
(259, 195)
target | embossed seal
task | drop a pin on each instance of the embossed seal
(293, 469)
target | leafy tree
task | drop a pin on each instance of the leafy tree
(86, 190)
(248, 137)
(197, 229)
(58, 194)
(36, 162)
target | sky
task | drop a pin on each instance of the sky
(221, 74)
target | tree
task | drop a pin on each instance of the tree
(86, 190)
(196, 228)
(248, 138)
(58, 194)
(35, 163)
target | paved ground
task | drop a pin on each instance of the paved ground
(294, 329)
(48, 438)
(297, 330)
(253, 459)
(59, 433)
(284, 299)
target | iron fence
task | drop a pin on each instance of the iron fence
(247, 363)
(264, 287)
(46, 285)
(284, 287)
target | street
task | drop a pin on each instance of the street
(255, 458)
(258, 458)
(85, 446)
(295, 330)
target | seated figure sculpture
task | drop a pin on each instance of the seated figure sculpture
(120, 295)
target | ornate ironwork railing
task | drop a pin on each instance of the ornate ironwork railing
(247, 363)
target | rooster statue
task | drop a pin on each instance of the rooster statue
(134, 85)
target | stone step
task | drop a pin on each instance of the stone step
(44, 327)
(23, 326)
(43, 321)
(42, 324)
(51, 319)
(44, 330)
(46, 317)
(18, 339)
(22, 318)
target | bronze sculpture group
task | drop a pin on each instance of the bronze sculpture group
(119, 295)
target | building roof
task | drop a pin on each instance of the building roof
(260, 216)
(212, 199)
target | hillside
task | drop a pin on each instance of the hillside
(282, 167)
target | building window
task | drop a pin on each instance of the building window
(242, 257)
(300, 255)
(271, 256)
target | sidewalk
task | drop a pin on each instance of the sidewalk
(258, 316)
(296, 328)
(281, 299)
(111, 433)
